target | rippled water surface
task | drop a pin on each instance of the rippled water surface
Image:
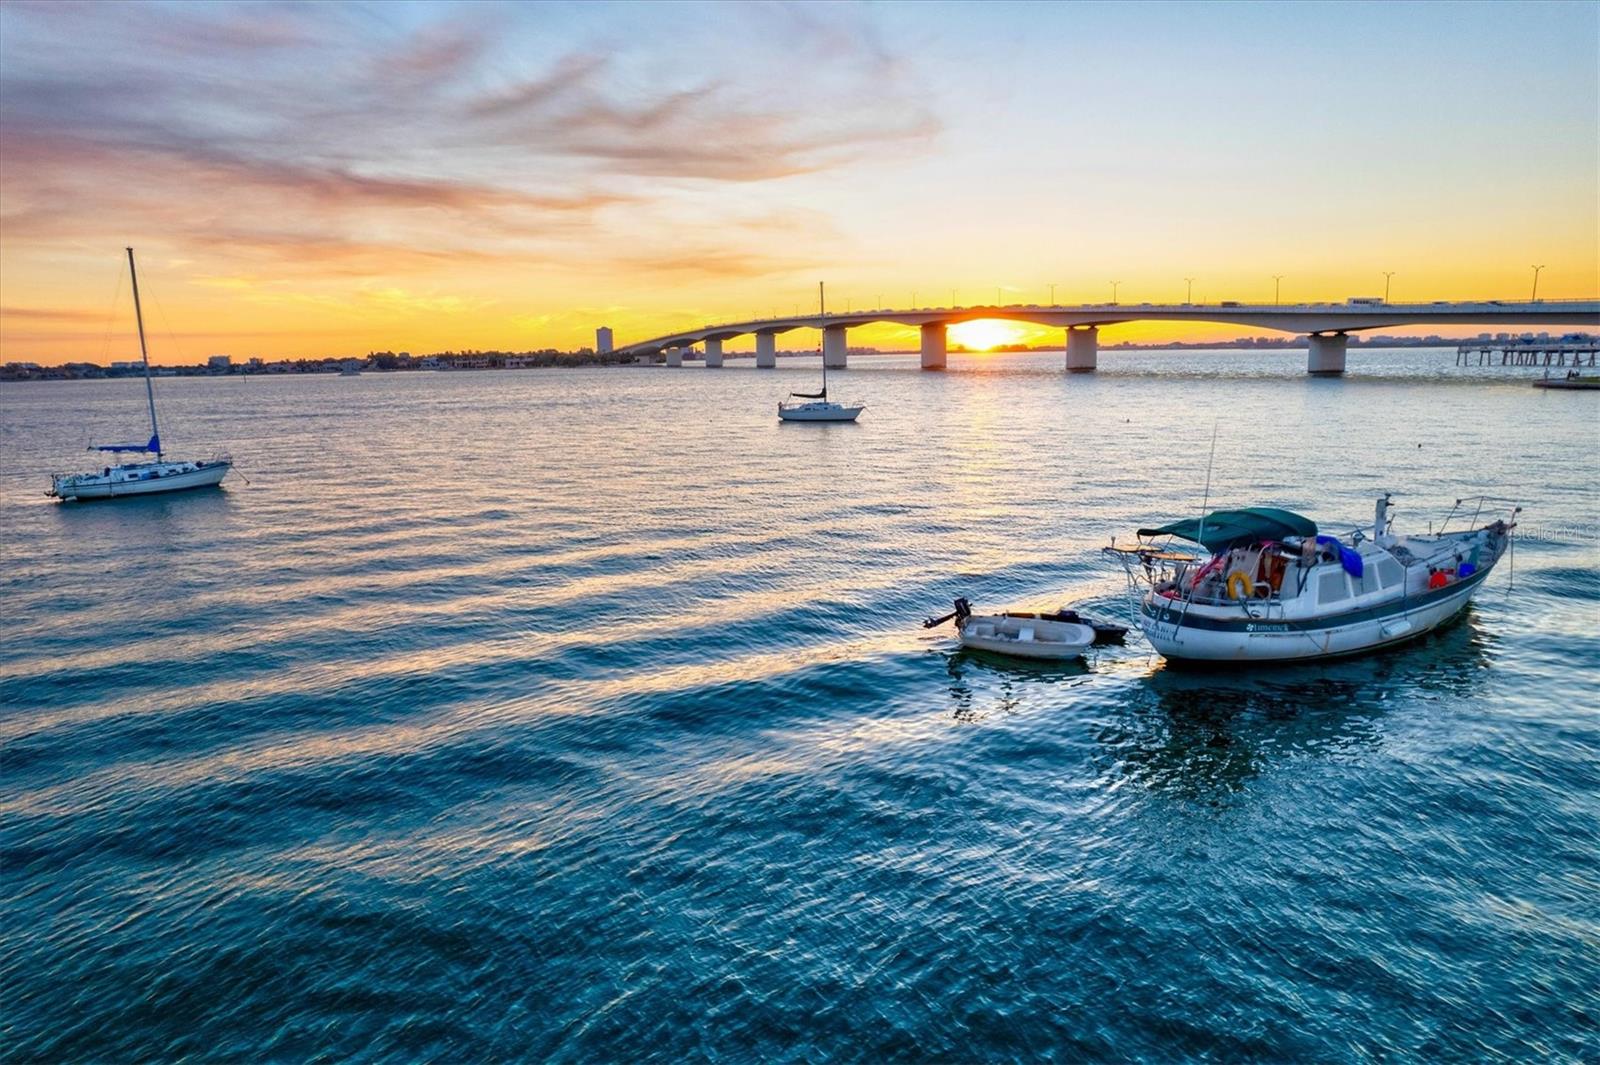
(586, 715)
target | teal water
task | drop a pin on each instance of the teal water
(586, 715)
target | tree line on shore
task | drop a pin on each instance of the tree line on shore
(380, 361)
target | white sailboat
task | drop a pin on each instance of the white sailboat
(140, 478)
(1266, 587)
(815, 406)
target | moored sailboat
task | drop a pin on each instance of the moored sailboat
(140, 478)
(816, 407)
(1268, 587)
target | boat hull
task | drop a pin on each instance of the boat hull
(811, 412)
(1276, 639)
(206, 475)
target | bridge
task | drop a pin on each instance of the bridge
(1326, 325)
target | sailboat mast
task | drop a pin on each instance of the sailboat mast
(822, 306)
(144, 354)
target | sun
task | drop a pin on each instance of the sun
(986, 334)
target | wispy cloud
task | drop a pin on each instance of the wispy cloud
(341, 134)
(714, 263)
(713, 130)
(50, 314)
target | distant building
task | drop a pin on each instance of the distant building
(602, 340)
(126, 364)
(220, 363)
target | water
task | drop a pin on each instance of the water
(585, 715)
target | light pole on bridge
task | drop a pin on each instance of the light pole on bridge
(1188, 293)
(952, 297)
(1535, 297)
(1387, 274)
(1114, 285)
(1052, 295)
(1277, 282)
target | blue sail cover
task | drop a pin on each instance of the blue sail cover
(153, 446)
(1347, 558)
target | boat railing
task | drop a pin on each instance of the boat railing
(1225, 600)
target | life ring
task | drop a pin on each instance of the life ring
(1245, 586)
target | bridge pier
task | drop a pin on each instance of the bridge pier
(1325, 354)
(834, 350)
(933, 346)
(766, 351)
(713, 353)
(674, 356)
(1083, 348)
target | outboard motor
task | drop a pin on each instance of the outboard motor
(961, 613)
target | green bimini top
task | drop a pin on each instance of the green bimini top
(1222, 529)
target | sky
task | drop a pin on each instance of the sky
(302, 180)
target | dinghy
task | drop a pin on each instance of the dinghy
(1023, 635)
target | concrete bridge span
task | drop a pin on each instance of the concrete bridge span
(1327, 325)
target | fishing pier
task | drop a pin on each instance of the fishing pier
(1522, 352)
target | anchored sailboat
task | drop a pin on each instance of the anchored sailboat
(1265, 586)
(140, 478)
(815, 406)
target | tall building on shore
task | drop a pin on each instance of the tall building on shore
(602, 340)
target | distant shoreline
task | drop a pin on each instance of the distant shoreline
(453, 362)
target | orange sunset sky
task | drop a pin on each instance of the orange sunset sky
(309, 180)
